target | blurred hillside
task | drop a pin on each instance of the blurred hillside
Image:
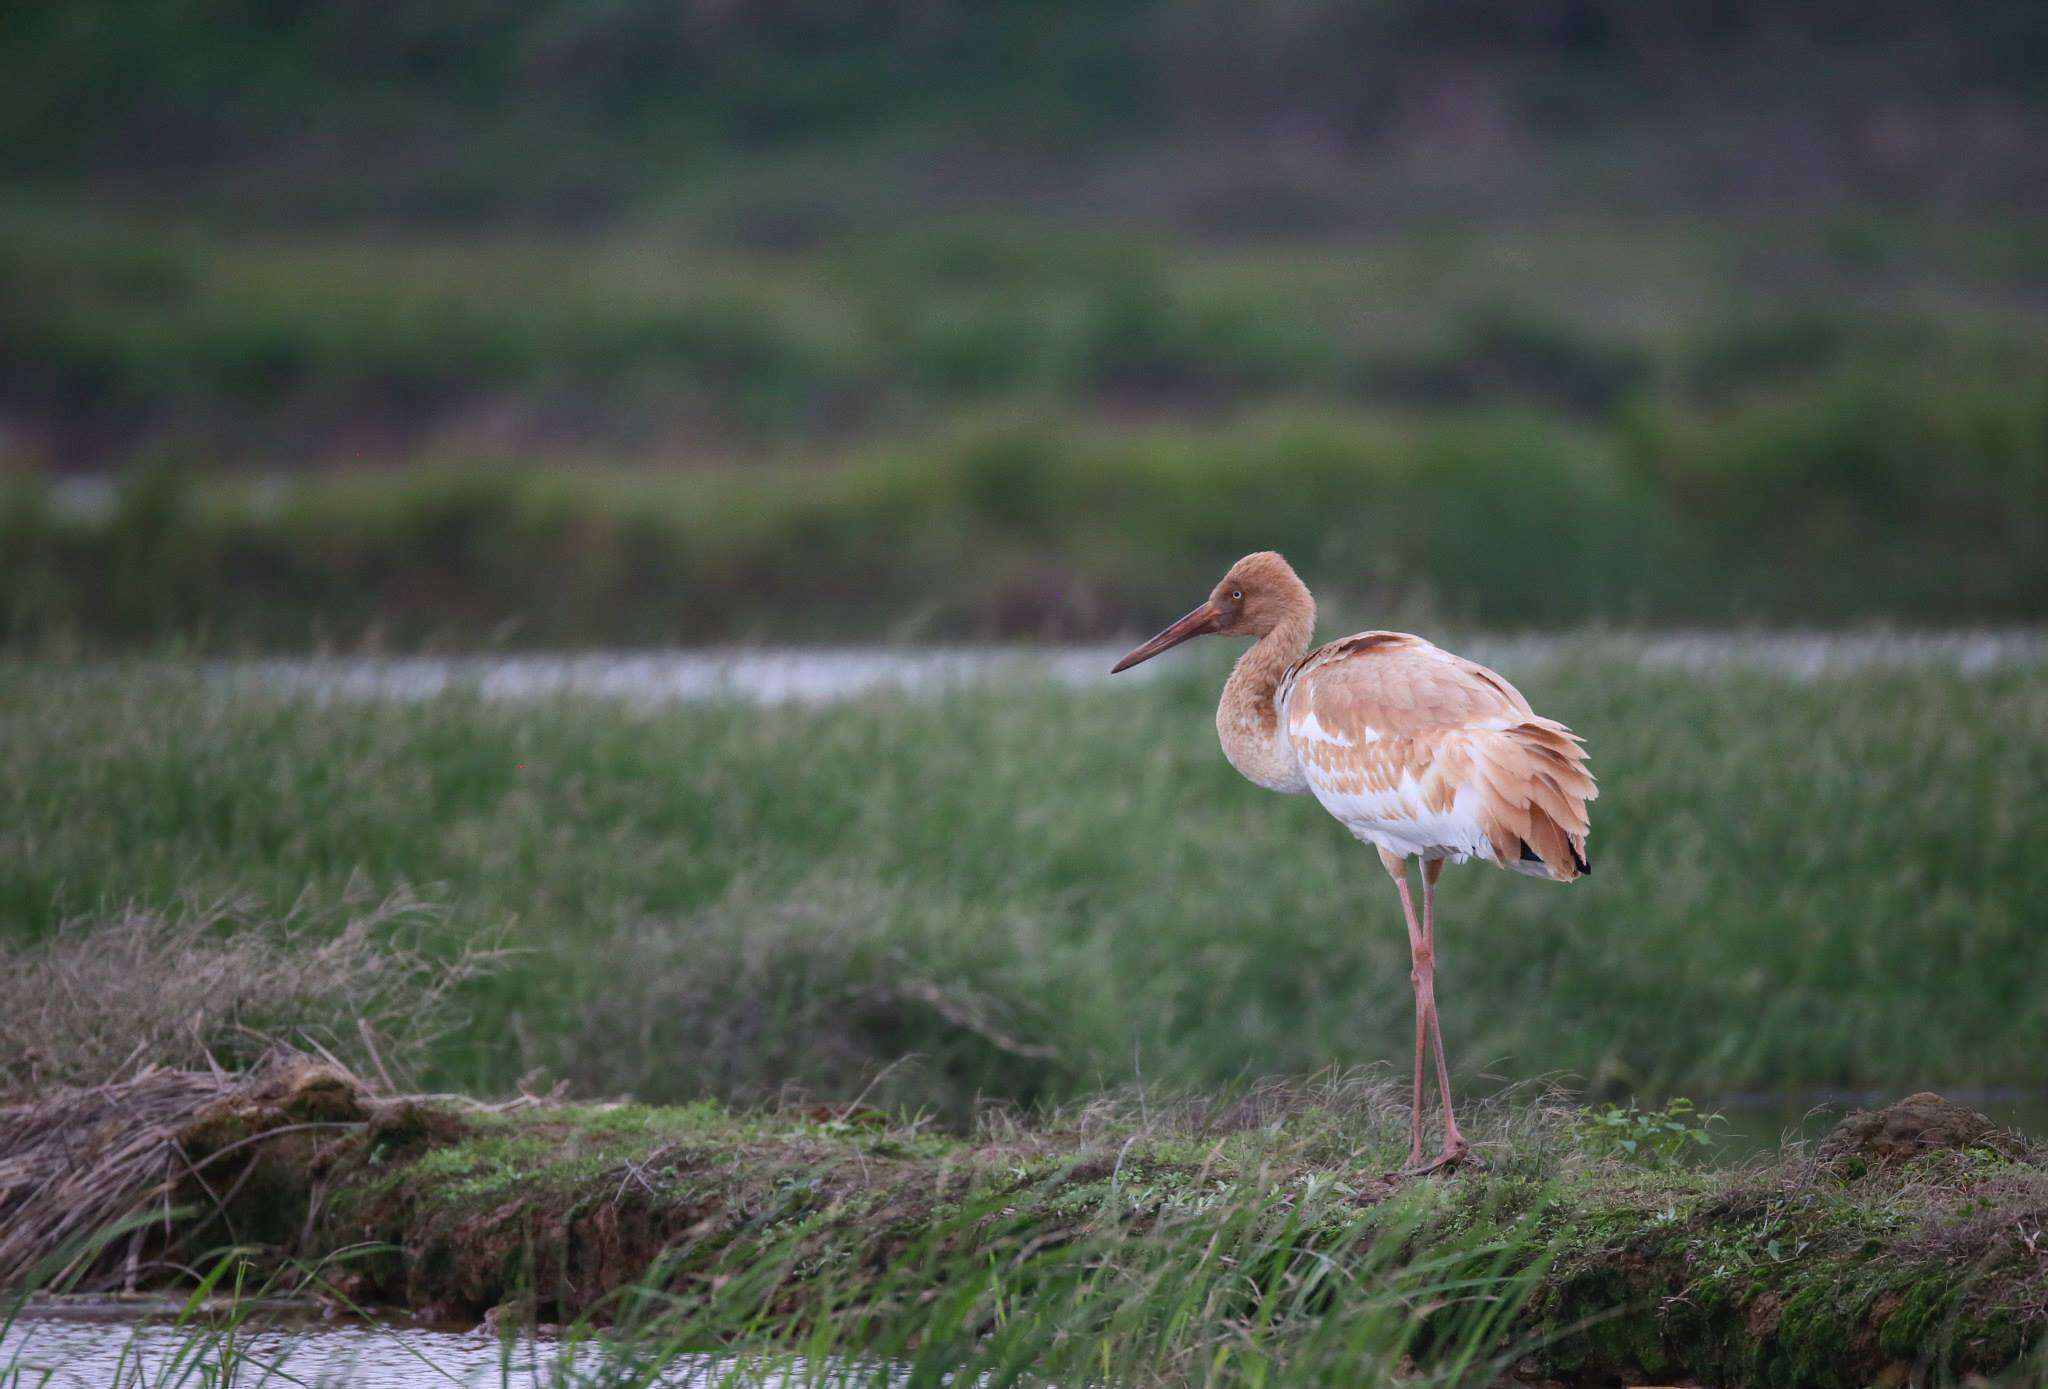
(1023, 313)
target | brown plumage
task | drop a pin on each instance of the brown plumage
(1419, 752)
(1381, 710)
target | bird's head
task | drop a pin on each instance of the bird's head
(1259, 593)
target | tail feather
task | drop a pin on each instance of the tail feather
(1537, 784)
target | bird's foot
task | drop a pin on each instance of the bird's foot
(1457, 1153)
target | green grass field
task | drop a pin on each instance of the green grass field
(1033, 892)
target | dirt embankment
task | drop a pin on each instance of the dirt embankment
(1911, 1246)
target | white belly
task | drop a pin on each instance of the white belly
(1400, 820)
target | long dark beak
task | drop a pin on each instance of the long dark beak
(1197, 623)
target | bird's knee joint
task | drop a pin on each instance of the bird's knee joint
(1424, 960)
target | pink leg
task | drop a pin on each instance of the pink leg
(1397, 869)
(1455, 1146)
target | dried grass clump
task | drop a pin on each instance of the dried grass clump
(81, 1167)
(215, 989)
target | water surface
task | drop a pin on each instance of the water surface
(773, 674)
(100, 1345)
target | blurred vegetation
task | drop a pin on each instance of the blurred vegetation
(1035, 892)
(1855, 495)
(646, 342)
(643, 322)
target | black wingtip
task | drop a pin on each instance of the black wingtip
(1579, 860)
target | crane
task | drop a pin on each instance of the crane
(1418, 752)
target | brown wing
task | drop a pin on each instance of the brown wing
(1398, 684)
(1382, 710)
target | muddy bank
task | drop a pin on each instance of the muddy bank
(1909, 1247)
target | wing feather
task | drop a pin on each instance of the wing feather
(1402, 740)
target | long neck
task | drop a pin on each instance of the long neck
(1247, 720)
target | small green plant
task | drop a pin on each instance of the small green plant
(1652, 1137)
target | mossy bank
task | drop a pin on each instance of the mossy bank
(1908, 1253)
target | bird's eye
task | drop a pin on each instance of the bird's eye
(1237, 595)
